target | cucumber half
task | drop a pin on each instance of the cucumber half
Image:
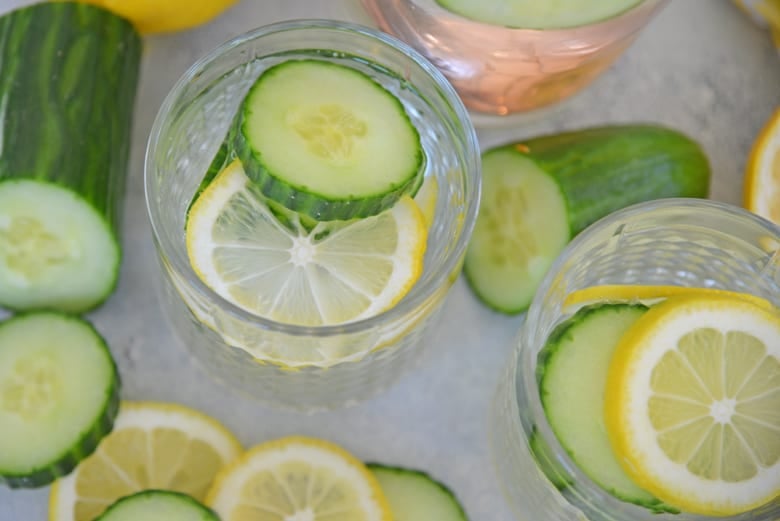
(59, 395)
(65, 125)
(415, 496)
(56, 250)
(521, 227)
(572, 368)
(327, 141)
(158, 505)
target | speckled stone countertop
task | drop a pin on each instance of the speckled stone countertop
(700, 66)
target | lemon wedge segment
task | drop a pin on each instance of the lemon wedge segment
(694, 408)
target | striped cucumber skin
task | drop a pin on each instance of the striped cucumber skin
(68, 77)
(90, 437)
(603, 169)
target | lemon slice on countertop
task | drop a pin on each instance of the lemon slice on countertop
(762, 177)
(155, 16)
(298, 479)
(153, 446)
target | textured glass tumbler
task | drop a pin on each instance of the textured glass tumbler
(668, 242)
(503, 70)
(306, 368)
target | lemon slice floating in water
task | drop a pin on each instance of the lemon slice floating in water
(335, 273)
(694, 408)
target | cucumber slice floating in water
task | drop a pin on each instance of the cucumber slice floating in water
(327, 141)
(158, 505)
(59, 395)
(572, 369)
(533, 14)
(415, 496)
(521, 228)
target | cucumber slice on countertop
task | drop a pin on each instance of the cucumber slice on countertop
(158, 505)
(415, 496)
(327, 141)
(521, 227)
(59, 395)
(572, 370)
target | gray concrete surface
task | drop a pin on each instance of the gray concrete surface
(700, 66)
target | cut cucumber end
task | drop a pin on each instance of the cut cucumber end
(327, 141)
(521, 228)
(59, 395)
(572, 369)
(158, 505)
(56, 250)
(415, 496)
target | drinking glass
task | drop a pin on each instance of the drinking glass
(681, 242)
(502, 70)
(295, 366)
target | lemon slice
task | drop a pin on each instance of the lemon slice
(335, 273)
(152, 446)
(298, 479)
(650, 294)
(694, 413)
(153, 16)
(762, 177)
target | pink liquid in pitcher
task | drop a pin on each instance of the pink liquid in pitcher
(501, 70)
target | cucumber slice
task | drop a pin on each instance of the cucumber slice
(327, 141)
(59, 395)
(572, 368)
(591, 173)
(158, 505)
(56, 250)
(415, 496)
(521, 227)
(533, 14)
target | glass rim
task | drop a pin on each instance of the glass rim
(670, 203)
(524, 358)
(419, 292)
